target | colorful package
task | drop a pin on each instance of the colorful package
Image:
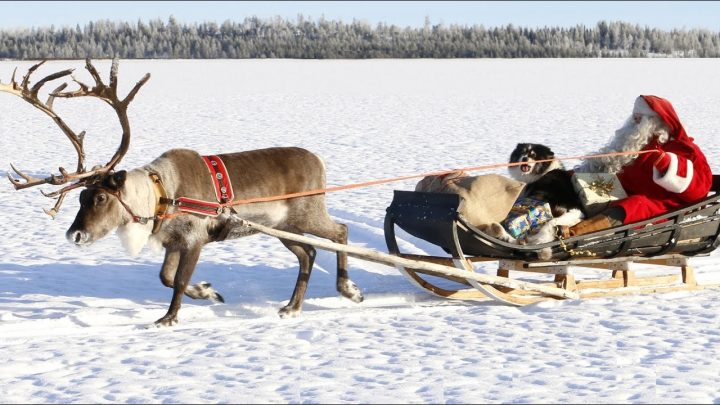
(526, 215)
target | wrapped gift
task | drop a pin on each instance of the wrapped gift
(526, 215)
(597, 190)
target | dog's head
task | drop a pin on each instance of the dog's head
(529, 154)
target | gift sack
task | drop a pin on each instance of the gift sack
(485, 199)
(526, 215)
(440, 183)
(597, 190)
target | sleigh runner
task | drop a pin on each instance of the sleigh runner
(667, 240)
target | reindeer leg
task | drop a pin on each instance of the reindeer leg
(306, 258)
(187, 261)
(202, 290)
(169, 267)
(338, 233)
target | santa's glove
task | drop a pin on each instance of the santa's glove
(662, 161)
(669, 163)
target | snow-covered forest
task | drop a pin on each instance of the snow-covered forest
(303, 38)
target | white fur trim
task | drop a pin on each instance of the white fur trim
(671, 181)
(641, 107)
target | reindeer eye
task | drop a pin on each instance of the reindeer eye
(100, 198)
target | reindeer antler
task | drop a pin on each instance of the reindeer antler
(101, 91)
(109, 95)
(31, 96)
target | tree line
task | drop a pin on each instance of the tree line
(327, 39)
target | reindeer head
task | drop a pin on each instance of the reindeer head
(99, 212)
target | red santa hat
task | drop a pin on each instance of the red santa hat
(641, 107)
(664, 109)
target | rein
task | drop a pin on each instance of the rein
(223, 190)
(116, 194)
(439, 173)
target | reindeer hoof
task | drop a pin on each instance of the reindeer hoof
(288, 312)
(349, 290)
(204, 291)
(166, 321)
(211, 294)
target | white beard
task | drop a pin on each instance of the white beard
(629, 137)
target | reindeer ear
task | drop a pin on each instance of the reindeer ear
(116, 180)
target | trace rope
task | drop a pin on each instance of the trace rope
(188, 205)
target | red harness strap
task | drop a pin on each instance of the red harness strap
(197, 206)
(221, 179)
(223, 190)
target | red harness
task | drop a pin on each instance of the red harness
(221, 184)
(223, 193)
(221, 179)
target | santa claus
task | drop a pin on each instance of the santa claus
(675, 175)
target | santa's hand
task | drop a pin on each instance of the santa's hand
(672, 181)
(662, 161)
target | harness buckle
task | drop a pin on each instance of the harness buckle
(169, 201)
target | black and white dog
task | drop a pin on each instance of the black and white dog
(548, 181)
(531, 157)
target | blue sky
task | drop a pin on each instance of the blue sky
(660, 14)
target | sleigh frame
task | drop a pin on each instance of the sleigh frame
(614, 254)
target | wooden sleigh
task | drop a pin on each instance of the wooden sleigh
(669, 240)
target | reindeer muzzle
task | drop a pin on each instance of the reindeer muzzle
(77, 237)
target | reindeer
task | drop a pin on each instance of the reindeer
(170, 202)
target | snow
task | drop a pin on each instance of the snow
(76, 324)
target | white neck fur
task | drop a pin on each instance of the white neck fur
(139, 194)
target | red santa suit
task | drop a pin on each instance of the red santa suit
(676, 176)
